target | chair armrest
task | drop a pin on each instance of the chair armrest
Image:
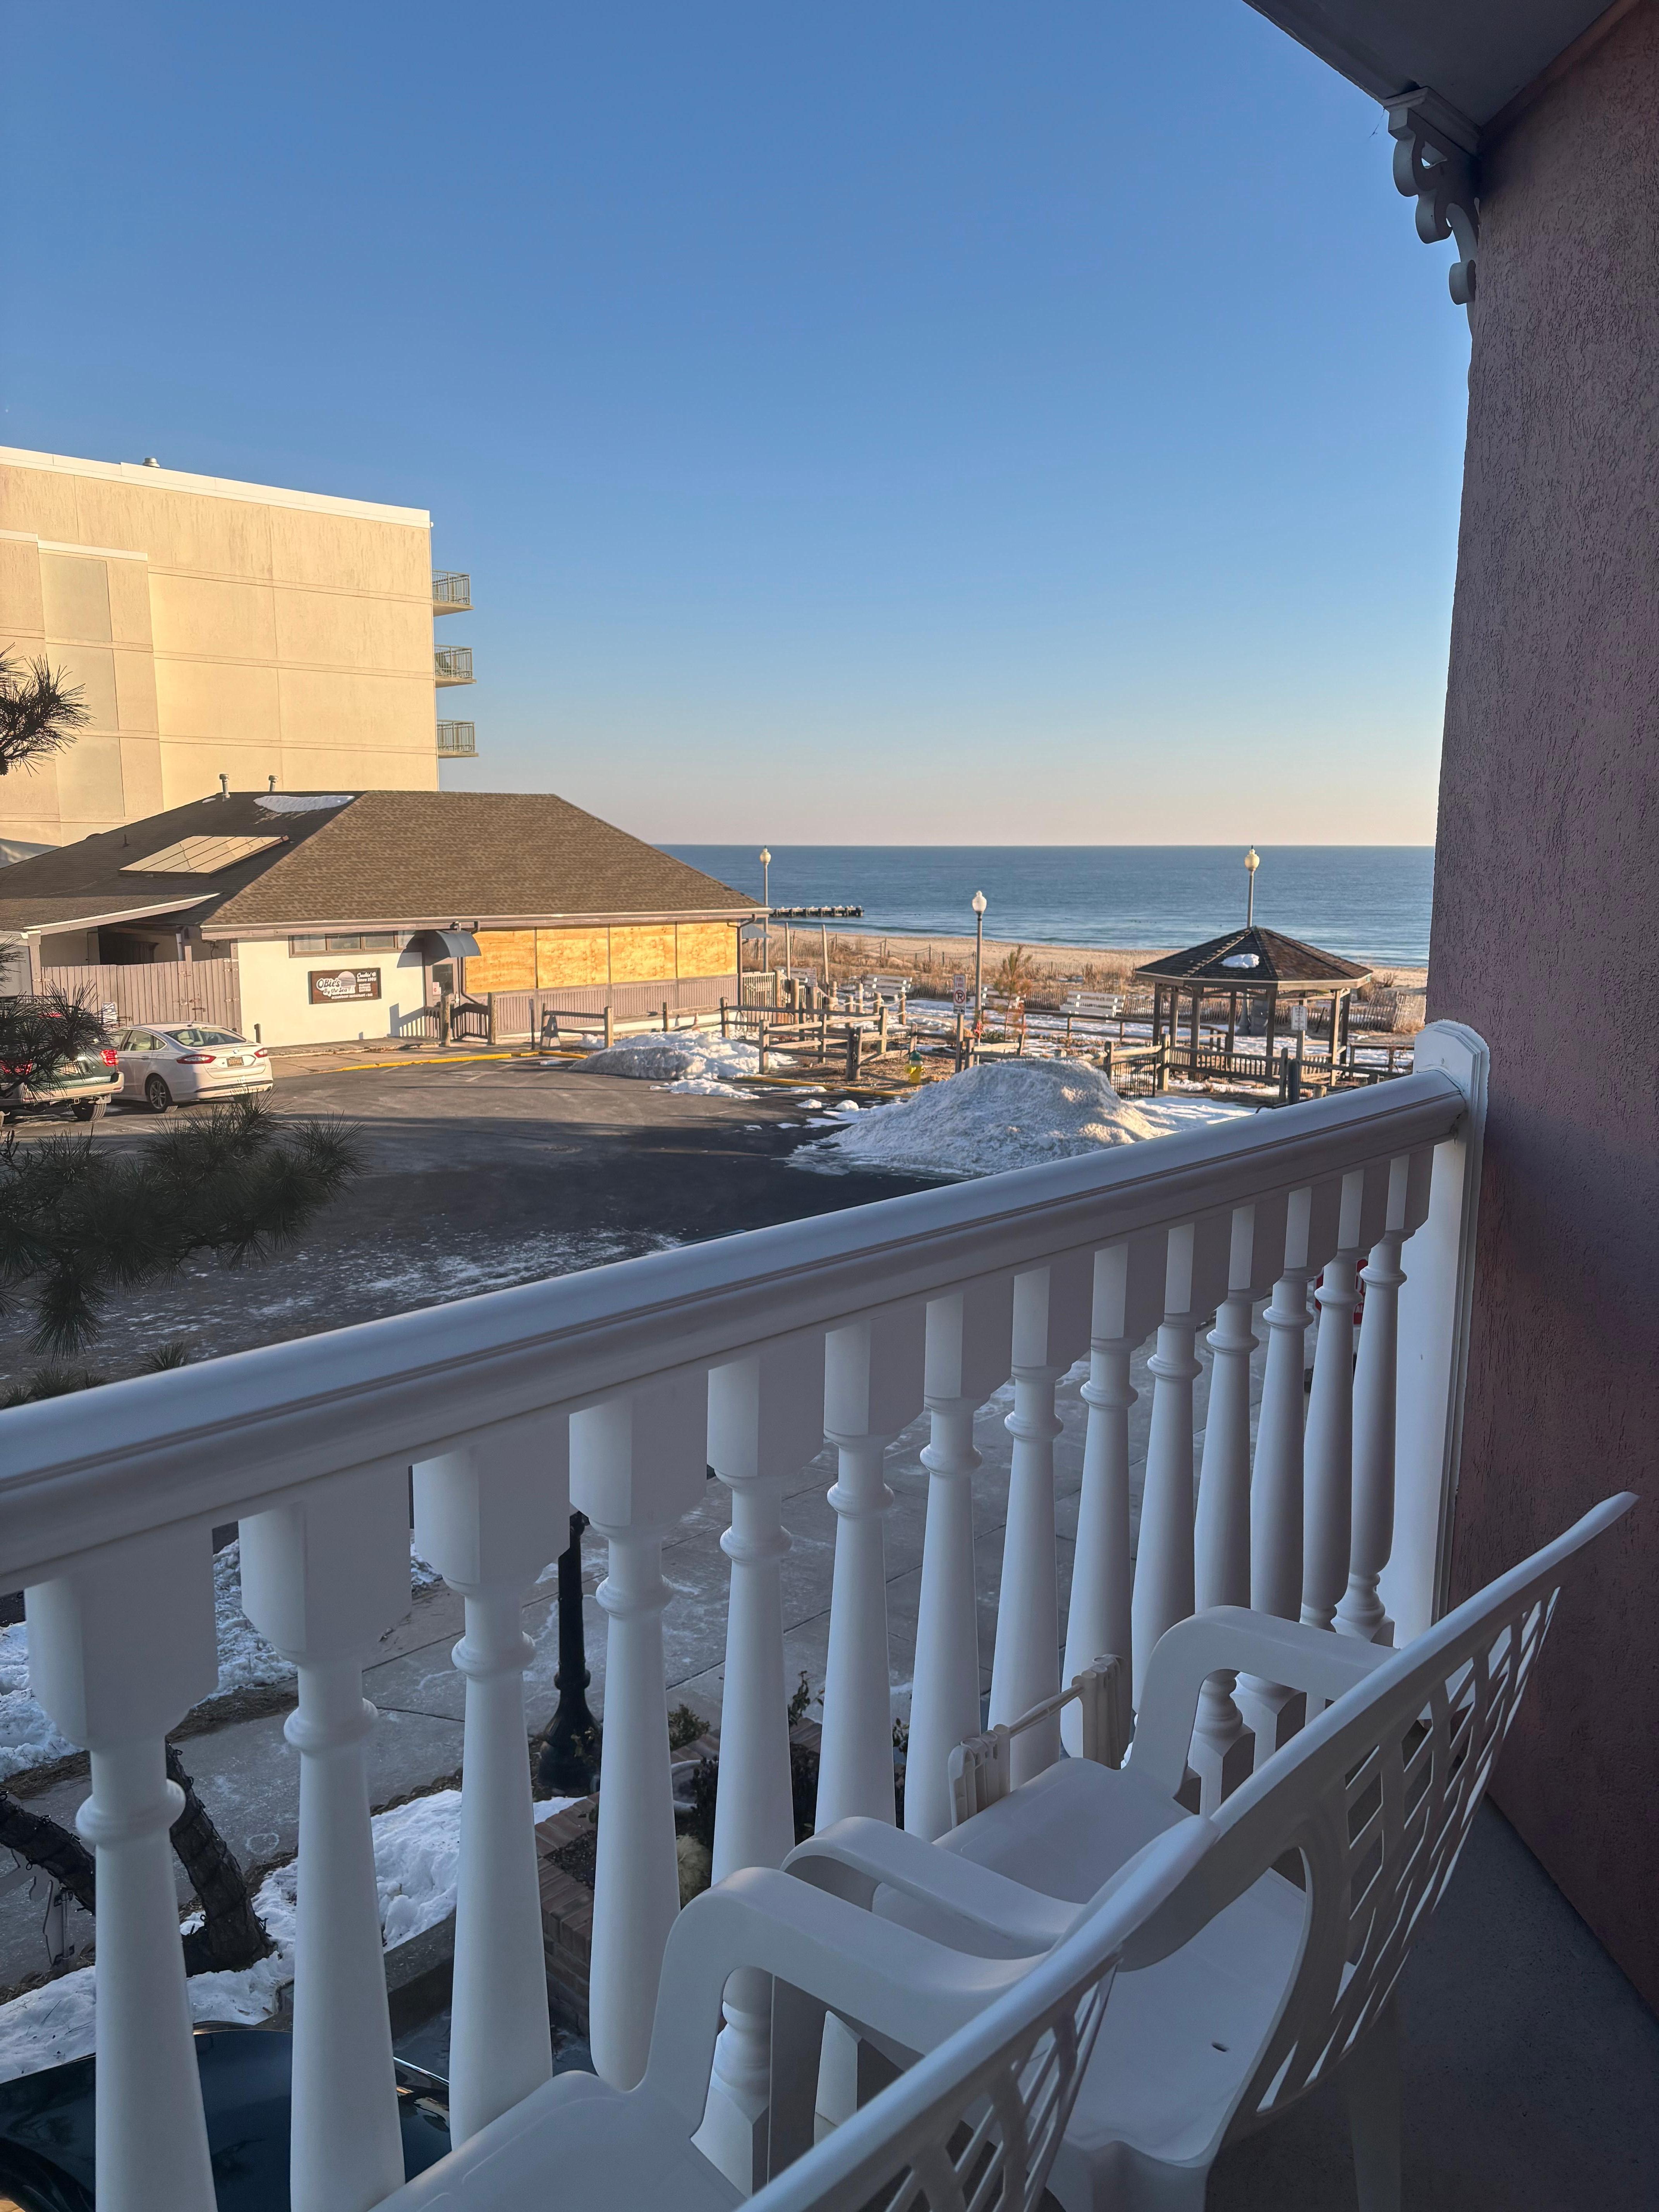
(882, 1977)
(856, 1857)
(1315, 1660)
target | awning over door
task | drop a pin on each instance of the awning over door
(427, 946)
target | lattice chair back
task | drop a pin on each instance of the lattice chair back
(973, 2125)
(1376, 1795)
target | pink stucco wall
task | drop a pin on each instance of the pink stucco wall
(1546, 940)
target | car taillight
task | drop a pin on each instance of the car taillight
(112, 1058)
(261, 1054)
(195, 1060)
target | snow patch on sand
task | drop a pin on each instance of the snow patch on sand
(1002, 1115)
(674, 1056)
(416, 1862)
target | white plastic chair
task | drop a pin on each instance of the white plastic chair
(972, 2126)
(1247, 1989)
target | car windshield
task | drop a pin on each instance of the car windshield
(206, 1036)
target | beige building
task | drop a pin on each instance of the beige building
(218, 629)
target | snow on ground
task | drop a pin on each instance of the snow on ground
(707, 1086)
(246, 1662)
(1001, 1115)
(675, 1057)
(417, 1859)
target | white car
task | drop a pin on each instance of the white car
(172, 1068)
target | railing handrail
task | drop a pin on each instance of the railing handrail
(150, 1452)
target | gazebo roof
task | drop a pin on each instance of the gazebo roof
(1247, 959)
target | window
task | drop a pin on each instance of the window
(350, 940)
(195, 1036)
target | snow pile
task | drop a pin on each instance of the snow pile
(677, 1055)
(707, 1086)
(246, 1662)
(417, 1858)
(1004, 1114)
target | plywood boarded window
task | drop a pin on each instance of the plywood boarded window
(706, 948)
(643, 956)
(506, 961)
(572, 957)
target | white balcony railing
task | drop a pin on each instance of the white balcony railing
(452, 591)
(457, 741)
(451, 663)
(612, 1389)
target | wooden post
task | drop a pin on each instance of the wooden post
(762, 1033)
(881, 1023)
(1272, 1026)
(1198, 1003)
(854, 1040)
(610, 1025)
(1232, 1027)
(722, 1018)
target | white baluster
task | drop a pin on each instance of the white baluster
(1163, 1583)
(1361, 1612)
(120, 1648)
(1222, 1752)
(1271, 1712)
(637, 1464)
(323, 1580)
(1052, 1307)
(1127, 1299)
(871, 1388)
(969, 1352)
(765, 1420)
(1327, 1450)
(489, 1516)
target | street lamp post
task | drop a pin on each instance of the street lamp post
(1252, 862)
(766, 902)
(569, 1762)
(979, 957)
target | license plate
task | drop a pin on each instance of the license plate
(235, 1063)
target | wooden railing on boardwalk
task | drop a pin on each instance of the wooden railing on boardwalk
(614, 1390)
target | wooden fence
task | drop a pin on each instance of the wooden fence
(165, 992)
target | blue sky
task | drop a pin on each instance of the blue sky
(890, 423)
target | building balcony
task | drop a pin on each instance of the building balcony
(451, 663)
(452, 591)
(457, 741)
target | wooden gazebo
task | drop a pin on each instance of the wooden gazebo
(1251, 967)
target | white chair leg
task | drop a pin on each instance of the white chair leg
(1370, 2083)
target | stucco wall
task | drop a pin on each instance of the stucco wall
(216, 629)
(1546, 939)
(275, 994)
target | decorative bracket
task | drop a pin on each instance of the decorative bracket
(1435, 163)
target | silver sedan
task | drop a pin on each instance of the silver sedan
(174, 1068)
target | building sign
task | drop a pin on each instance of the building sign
(330, 985)
(1299, 1017)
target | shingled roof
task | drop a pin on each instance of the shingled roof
(1227, 962)
(354, 858)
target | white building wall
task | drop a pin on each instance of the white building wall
(275, 993)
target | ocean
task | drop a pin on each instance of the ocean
(1370, 902)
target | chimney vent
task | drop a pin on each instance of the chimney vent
(224, 787)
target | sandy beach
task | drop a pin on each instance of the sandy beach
(1093, 967)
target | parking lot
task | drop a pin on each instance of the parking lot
(478, 1174)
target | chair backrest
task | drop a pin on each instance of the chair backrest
(973, 2125)
(1376, 1795)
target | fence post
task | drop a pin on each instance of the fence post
(610, 1025)
(854, 1040)
(1434, 1334)
(722, 1017)
(762, 1036)
(489, 1008)
(665, 1016)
